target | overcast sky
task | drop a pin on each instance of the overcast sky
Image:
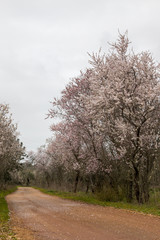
(44, 43)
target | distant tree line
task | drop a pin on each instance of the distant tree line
(108, 138)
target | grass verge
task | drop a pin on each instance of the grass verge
(149, 208)
(6, 232)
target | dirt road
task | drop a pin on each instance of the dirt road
(41, 217)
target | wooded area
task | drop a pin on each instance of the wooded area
(107, 139)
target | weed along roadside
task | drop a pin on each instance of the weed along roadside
(5, 228)
(149, 208)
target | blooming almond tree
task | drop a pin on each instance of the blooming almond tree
(77, 125)
(71, 146)
(72, 107)
(111, 118)
(126, 108)
(11, 149)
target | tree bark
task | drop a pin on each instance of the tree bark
(130, 191)
(76, 181)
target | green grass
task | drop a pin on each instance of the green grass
(5, 229)
(149, 208)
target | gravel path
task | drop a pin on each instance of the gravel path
(37, 216)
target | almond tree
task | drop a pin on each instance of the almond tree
(113, 109)
(125, 107)
(70, 145)
(42, 163)
(78, 128)
(11, 149)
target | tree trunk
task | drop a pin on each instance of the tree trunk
(87, 184)
(76, 181)
(92, 185)
(130, 191)
(146, 191)
(138, 192)
(28, 181)
(87, 189)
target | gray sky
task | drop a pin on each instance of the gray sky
(44, 43)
